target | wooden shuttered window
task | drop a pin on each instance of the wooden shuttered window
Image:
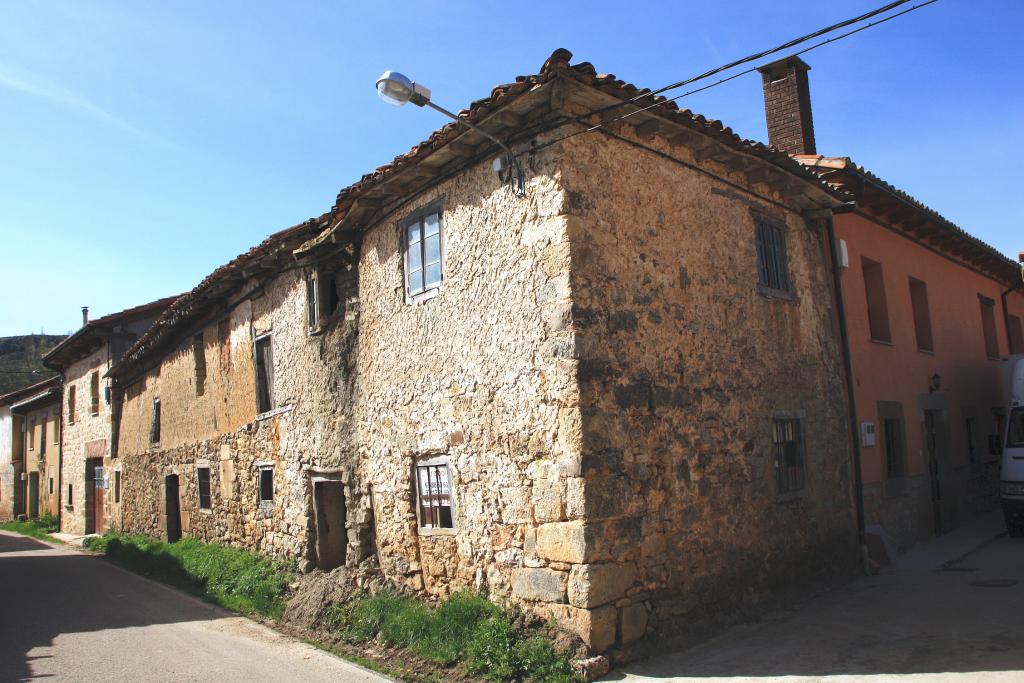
(772, 268)
(264, 374)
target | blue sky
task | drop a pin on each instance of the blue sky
(146, 143)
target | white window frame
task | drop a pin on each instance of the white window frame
(419, 216)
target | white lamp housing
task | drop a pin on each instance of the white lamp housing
(397, 89)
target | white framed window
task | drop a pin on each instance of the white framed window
(423, 244)
(434, 494)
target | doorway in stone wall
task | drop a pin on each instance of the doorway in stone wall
(33, 495)
(172, 507)
(329, 513)
(94, 496)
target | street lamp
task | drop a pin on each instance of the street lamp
(397, 89)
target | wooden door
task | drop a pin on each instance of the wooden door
(331, 537)
(95, 522)
(33, 495)
(173, 508)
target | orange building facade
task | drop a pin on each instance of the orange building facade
(929, 311)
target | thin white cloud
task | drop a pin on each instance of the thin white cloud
(58, 95)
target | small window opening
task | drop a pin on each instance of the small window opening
(988, 326)
(788, 446)
(117, 486)
(94, 393)
(1016, 335)
(266, 484)
(199, 355)
(895, 460)
(71, 497)
(435, 496)
(922, 315)
(772, 268)
(878, 307)
(51, 486)
(422, 238)
(154, 430)
(203, 481)
(264, 374)
(71, 404)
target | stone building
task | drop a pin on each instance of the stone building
(929, 311)
(617, 400)
(92, 496)
(30, 451)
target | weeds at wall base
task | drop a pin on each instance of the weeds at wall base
(235, 579)
(40, 527)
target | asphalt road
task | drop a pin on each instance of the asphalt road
(932, 620)
(67, 616)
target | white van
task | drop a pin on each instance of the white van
(1011, 474)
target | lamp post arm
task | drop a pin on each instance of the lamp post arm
(520, 178)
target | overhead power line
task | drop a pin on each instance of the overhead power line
(583, 118)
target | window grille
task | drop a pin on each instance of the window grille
(435, 497)
(771, 256)
(789, 455)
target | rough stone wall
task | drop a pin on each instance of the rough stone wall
(87, 428)
(308, 431)
(45, 464)
(682, 365)
(480, 374)
(6, 465)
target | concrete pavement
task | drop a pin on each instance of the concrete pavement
(67, 616)
(951, 611)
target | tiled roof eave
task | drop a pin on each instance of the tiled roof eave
(557, 66)
(846, 173)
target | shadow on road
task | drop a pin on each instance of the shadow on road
(49, 592)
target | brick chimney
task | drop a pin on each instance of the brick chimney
(787, 105)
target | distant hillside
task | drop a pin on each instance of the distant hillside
(20, 363)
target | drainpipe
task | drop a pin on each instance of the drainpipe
(858, 484)
(1006, 310)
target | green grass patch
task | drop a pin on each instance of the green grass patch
(465, 629)
(236, 579)
(40, 527)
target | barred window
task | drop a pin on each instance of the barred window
(771, 256)
(434, 494)
(203, 481)
(788, 446)
(894, 456)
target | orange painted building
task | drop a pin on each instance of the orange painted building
(928, 311)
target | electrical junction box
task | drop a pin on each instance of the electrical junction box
(867, 434)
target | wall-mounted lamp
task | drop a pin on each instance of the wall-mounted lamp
(397, 89)
(934, 383)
